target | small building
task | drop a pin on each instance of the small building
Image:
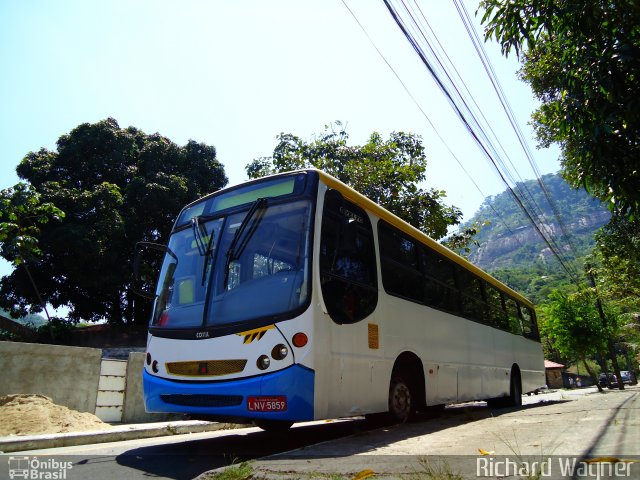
(553, 374)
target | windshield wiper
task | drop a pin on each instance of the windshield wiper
(200, 234)
(237, 247)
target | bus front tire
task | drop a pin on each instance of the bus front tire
(401, 400)
(273, 425)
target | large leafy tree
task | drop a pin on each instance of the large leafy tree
(387, 171)
(582, 60)
(574, 327)
(116, 187)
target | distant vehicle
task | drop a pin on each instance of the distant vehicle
(612, 383)
(628, 378)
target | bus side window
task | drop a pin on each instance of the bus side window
(497, 314)
(440, 284)
(471, 297)
(347, 260)
(401, 275)
(515, 323)
(529, 326)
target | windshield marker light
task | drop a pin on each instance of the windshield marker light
(300, 339)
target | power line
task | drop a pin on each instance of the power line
(504, 101)
(473, 126)
(424, 114)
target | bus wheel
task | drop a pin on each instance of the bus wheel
(401, 400)
(515, 391)
(273, 425)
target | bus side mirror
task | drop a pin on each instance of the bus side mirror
(146, 268)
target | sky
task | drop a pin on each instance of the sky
(236, 74)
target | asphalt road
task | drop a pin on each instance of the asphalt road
(564, 423)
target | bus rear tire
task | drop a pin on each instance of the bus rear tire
(401, 400)
(515, 391)
(273, 425)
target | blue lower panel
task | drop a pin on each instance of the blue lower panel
(295, 382)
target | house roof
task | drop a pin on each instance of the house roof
(550, 364)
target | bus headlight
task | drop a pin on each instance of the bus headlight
(263, 362)
(279, 352)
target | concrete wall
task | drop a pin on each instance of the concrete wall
(78, 378)
(69, 375)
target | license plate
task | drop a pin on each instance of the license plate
(267, 404)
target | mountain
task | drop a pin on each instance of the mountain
(512, 250)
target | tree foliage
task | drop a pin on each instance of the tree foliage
(117, 187)
(573, 324)
(386, 171)
(582, 60)
(21, 214)
(617, 259)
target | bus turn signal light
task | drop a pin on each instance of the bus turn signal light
(300, 339)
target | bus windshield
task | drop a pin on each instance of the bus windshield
(237, 267)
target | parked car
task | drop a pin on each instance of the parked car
(628, 378)
(612, 383)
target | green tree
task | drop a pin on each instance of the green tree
(574, 327)
(21, 215)
(582, 61)
(616, 270)
(386, 171)
(617, 258)
(117, 187)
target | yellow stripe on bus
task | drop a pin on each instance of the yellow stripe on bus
(255, 334)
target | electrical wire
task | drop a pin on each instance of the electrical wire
(473, 125)
(431, 124)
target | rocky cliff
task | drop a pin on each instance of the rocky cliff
(511, 241)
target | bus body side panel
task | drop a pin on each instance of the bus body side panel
(523, 352)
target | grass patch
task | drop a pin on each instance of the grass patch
(240, 471)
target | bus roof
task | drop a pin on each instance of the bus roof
(392, 219)
(402, 225)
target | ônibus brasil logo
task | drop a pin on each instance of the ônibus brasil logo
(35, 468)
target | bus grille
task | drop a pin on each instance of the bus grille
(203, 400)
(206, 368)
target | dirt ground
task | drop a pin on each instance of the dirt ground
(37, 414)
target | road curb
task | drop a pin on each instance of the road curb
(114, 434)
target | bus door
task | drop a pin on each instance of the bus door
(349, 290)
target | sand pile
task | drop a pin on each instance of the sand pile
(37, 414)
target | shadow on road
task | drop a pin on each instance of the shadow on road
(188, 459)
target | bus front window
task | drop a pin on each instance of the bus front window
(249, 265)
(184, 276)
(263, 264)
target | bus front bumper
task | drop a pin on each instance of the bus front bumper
(258, 397)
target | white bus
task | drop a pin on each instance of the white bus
(293, 298)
